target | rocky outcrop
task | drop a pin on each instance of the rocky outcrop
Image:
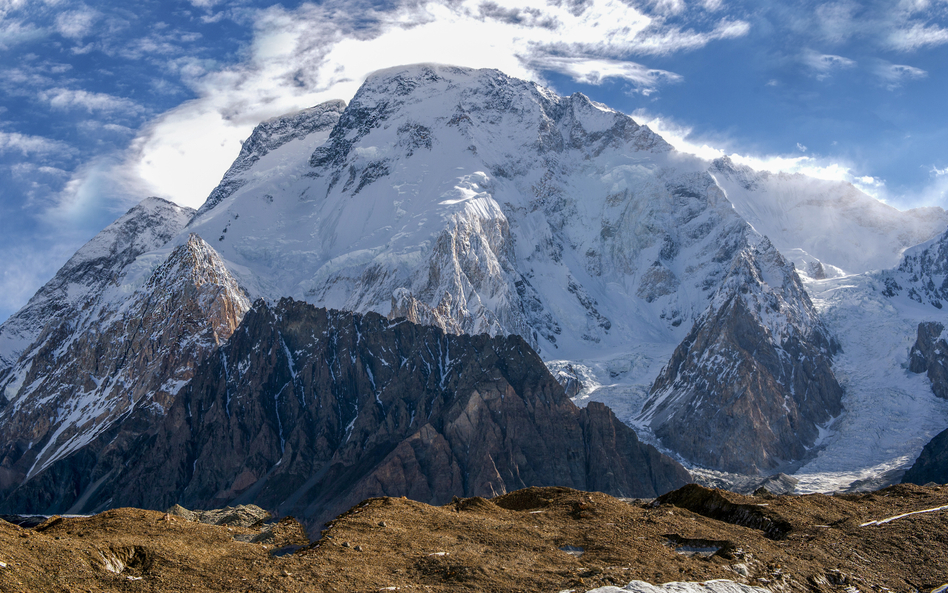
(929, 355)
(92, 384)
(748, 387)
(306, 412)
(932, 463)
(244, 515)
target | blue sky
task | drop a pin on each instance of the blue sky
(102, 105)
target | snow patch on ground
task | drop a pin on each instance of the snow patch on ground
(715, 586)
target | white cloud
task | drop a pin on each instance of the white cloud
(800, 147)
(76, 24)
(31, 145)
(302, 57)
(13, 32)
(893, 75)
(59, 98)
(824, 64)
(918, 36)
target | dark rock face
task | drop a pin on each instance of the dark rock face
(746, 389)
(932, 463)
(929, 355)
(306, 412)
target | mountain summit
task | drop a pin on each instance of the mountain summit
(478, 204)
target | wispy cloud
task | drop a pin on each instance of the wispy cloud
(823, 65)
(27, 145)
(918, 36)
(319, 52)
(894, 75)
(684, 140)
(60, 98)
(595, 71)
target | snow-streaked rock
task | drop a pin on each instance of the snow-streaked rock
(923, 273)
(751, 384)
(86, 373)
(98, 266)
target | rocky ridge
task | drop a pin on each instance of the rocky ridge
(306, 411)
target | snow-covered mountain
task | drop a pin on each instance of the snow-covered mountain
(91, 370)
(654, 281)
(826, 228)
(92, 273)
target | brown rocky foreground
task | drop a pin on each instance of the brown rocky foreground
(538, 539)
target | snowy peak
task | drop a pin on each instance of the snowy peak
(308, 126)
(196, 272)
(403, 98)
(97, 265)
(923, 274)
(85, 373)
(504, 209)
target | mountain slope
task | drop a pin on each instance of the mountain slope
(309, 411)
(93, 270)
(89, 375)
(749, 387)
